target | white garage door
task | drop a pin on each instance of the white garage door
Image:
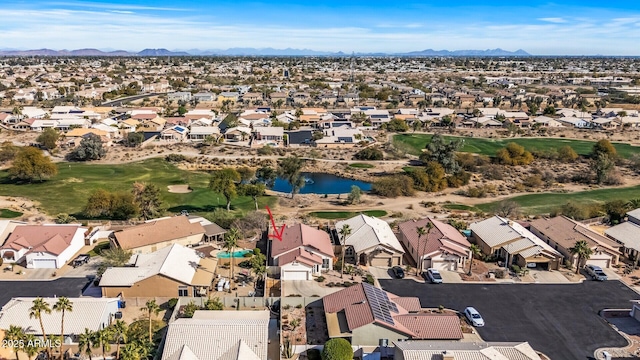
(444, 265)
(44, 263)
(294, 275)
(603, 263)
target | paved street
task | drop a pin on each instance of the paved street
(70, 287)
(560, 320)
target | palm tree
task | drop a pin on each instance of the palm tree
(15, 334)
(474, 250)
(344, 232)
(62, 305)
(31, 345)
(135, 351)
(151, 307)
(230, 243)
(119, 333)
(86, 342)
(582, 250)
(421, 232)
(103, 340)
(39, 307)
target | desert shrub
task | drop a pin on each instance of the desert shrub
(370, 153)
(175, 158)
(533, 181)
(172, 303)
(514, 154)
(265, 151)
(481, 191)
(393, 186)
(492, 172)
(320, 278)
(458, 179)
(471, 162)
(369, 279)
(567, 154)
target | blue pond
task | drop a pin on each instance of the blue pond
(236, 254)
(322, 183)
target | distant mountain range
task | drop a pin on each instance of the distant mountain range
(252, 52)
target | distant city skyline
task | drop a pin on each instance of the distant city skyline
(541, 28)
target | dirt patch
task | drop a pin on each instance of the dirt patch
(179, 189)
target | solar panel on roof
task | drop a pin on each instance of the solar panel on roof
(380, 304)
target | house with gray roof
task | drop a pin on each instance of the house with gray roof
(371, 242)
(510, 241)
(453, 350)
(627, 233)
(218, 335)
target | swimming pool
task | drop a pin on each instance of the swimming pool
(236, 254)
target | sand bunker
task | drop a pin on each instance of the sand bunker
(179, 189)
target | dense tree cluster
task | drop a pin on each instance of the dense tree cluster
(90, 148)
(30, 164)
(514, 154)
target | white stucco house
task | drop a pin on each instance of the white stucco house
(304, 252)
(48, 246)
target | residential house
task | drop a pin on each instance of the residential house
(546, 121)
(228, 96)
(299, 138)
(88, 313)
(562, 233)
(179, 96)
(41, 124)
(34, 112)
(267, 135)
(9, 119)
(48, 246)
(627, 233)
(371, 242)
(218, 335)
(183, 121)
(278, 96)
(343, 136)
(454, 350)
(172, 271)
(366, 316)
(443, 248)
(74, 136)
(300, 97)
(252, 97)
(238, 133)
(509, 240)
(200, 133)
(175, 134)
(575, 122)
(157, 234)
(303, 252)
(204, 96)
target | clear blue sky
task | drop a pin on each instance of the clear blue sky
(543, 28)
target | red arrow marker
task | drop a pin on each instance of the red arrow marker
(278, 234)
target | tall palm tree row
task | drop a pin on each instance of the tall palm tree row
(62, 305)
(344, 232)
(15, 337)
(119, 332)
(86, 342)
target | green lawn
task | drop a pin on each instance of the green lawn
(9, 214)
(544, 203)
(332, 215)
(460, 207)
(414, 143)
(68, 191)
(361, 166)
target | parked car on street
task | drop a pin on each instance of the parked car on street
(474, 317)
(434, 276)
(398, 272)
(595, 272)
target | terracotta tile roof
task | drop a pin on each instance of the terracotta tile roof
(432, 326)
(566, 232)
(41, 238)
(144, 116)
(442, 237)
(411, 304)
(358, 309)
(301, 235)
(157, 231)
(300, 256)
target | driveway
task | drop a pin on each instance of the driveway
(561, 321)
(88, 269)
(69, 287)
(306, 288)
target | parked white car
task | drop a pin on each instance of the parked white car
(474, 317)
(434, 276)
